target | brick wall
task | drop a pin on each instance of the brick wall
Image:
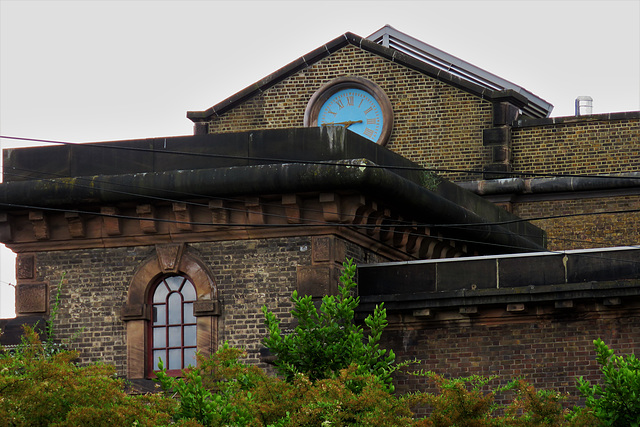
(589, 231)
(435, 124)
(92, 295)
(588, 145)
(248, 273)
(548, 351)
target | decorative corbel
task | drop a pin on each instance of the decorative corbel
(40, 226)
(292, 204)
(110, 220)
(182, 213)
(255, 210)
(219, 214)
(146, 214)
(75, 224)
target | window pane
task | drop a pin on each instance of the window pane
(189, 357)
(188, 291)
(159, 337)
(173, 327)
(159, 354)
(188, 313)
(159, 314)
(175, 309)
(190, 336)
(160, 294)
(175, 358)
(174, 282)
(175, 336)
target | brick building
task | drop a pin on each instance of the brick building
(382, 149)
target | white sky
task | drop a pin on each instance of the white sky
(97, 71)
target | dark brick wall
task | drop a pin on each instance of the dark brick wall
(248, 273)
(548, 351)
(93, 292)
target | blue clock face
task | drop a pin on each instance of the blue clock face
(356, 110)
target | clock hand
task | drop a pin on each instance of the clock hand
(345, 124)
(350, 122)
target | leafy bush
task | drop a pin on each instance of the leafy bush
(327, 340)
(617, 401)
(41, 388)
(471, 401)
(222, 391)
(206, 393)
(334, 376)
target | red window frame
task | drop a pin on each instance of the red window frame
(172, 330)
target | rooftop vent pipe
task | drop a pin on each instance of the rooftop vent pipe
(584, 106)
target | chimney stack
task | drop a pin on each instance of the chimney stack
(584, 106)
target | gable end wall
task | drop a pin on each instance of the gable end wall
(435, 124)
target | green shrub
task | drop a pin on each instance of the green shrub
(206, 393)
(327, 340)
(471, 401)
(617, 401)
(38, 388)
(222, 391)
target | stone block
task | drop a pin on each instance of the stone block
(476, 274)
(317, 280)
(532, 271)
(504, 113)
(135, 312)
(412, 278)
(206, 308)
(31, 298)
(497, 136)
(501, 153)
(25, 266)
(605, 265)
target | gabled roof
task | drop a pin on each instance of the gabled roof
(390, 37)
(404, 50)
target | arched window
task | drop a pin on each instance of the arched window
(173, 326)
(172, 298)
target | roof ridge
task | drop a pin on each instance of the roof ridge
(516, 95)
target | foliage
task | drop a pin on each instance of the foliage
(222, 391)
(430, 179)
(471, 401)
(50, 346)
(327, 340)
(617, 401)
(460, 401)
(334, 376)
(40, 388)
(531, 407)
(206, 392)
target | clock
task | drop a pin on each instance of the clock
(354, 103)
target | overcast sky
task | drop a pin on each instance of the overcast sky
(83, 71)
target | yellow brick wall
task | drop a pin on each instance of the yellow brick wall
(589, 231)
(579, 147)
(435, 124)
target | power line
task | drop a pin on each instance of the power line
(298, 225)
(397, 224)
(314, 162)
